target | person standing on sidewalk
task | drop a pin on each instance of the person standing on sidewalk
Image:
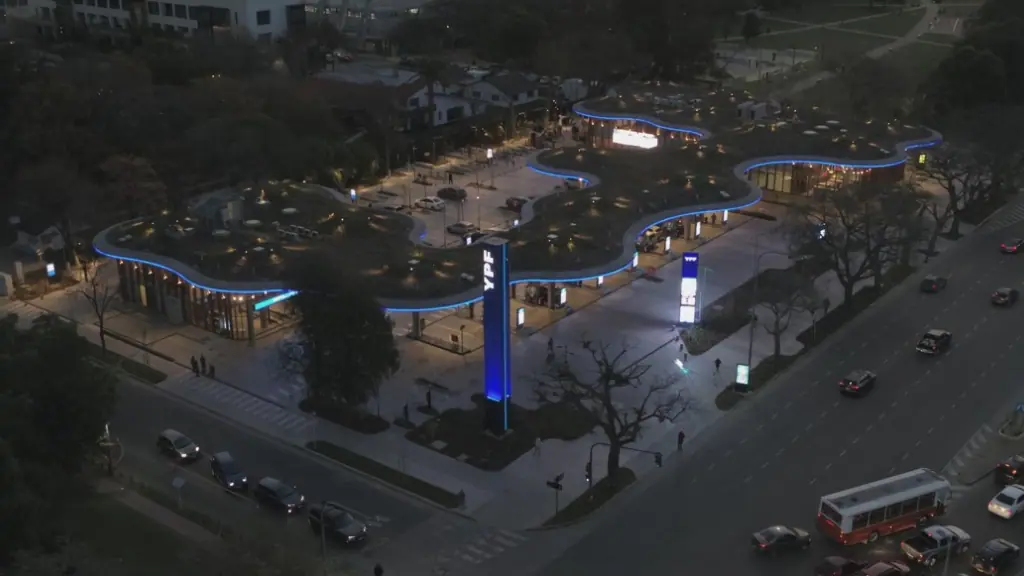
(195, 366)
(679, 440)
(202, 363)
(718, 365)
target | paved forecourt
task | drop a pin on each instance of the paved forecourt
(771, 462)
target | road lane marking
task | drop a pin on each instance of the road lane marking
(894, 403)
(827, 466)
(813, 480)
(905, 455)
(930, 430)
(892, 470)
(728, 453)
(763, 466)
(693, 480)
(942, 417)
(711, 467)
(963, 395)
(918, 381)
(992, 365)
(916, 444)
(855, 440)
(823, 414)
(747, 480)
(808, 427)
(983, 374)
(927, 372)
(835, 404)
(779, 453)
(795, 438)
(881, 416)
(743, 441)
(760, 427)
(774, 416)
(954, 406)
(788, 404)
(843, 453)
(906, 392)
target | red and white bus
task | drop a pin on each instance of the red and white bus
(894, 504)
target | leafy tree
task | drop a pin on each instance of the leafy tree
(618, 396)
(347, 341)
(55, 191)
(54, 405)
(966, 78)
(751, 26)
(782, 295)
(132, 186)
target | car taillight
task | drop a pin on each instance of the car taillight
(763, 545)
(934, 286)
(854, 387)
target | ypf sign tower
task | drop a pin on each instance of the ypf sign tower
(497, 351)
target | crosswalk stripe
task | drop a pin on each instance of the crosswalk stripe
(513, 535)
(507, 542)
(262, 410)
(479, 552)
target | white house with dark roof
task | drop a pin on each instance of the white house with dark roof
(504, 89)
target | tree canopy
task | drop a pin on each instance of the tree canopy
(54, 405)
(347, 343)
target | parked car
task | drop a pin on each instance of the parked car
(779, 539)
(178, 446)
(890, 568)
(227, 473)
(1005, 297)
(279, 495)
(429, 203)
(336, 522)
(452, 194)
(931, 284)
(838, 566)
(461, 228)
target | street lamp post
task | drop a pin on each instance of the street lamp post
(478, 210)
(757, 281)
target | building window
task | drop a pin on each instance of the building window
(183, 30)
(414, 102)
(92, 18)
(263, 18)
(168, 9)
(44, 13)
(115, 4)
(495, 98)
(476, 94)
(81, 18)
(154, 8)
(115, 22)
(90, 2)
(79, 2)
(101, 3)
(105, 21)
(180, 11)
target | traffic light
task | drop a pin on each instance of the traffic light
(589, 474)
(657, 459)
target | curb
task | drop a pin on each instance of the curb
(298, 448)
(581, 519)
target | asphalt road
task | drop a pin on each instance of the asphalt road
(771, 462)
(142, 413)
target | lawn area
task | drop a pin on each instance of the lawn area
(769, 25)
(960, 10)
(459, 434)
(833, 42)
(595, 497)
(893, 24)
(116, 533)
(828, 12)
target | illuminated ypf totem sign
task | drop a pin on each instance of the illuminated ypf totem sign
(497, 368)
(688, 313)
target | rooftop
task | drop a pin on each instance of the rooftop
(239, 240)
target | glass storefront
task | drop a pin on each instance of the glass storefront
(802, 179)
(167, 294)
(599, 133)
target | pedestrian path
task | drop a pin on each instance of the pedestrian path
(403, 321)
(26, 312)
(238, 405)
(488, 546)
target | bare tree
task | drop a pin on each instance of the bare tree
(98, 293)
(783, 294)
(601, 396)
(952, 170)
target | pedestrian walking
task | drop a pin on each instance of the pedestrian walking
(718, 365)
(536, 447)
(714, 219)
(211, 373)
(551, 345)
(202, 363)
(679, 440)
(195, 366)
(451, 178)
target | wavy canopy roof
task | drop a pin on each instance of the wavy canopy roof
(565, 236)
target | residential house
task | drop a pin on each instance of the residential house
(506, 89)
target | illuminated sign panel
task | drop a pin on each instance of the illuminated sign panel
(634, 139)
(273, 300)
(688, 288)
(497, 367)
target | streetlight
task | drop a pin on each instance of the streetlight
(462, 341)
(477, 210)
(757, 280)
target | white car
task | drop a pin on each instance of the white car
(1008, 503)
(430, 203)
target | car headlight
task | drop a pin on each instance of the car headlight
(231, 484)
(245, 479)
(350, 538)
(183, 455)
(302, 498)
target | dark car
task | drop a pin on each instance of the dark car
(177, 446)
(1010, 471)
(1005, 296)
(226, 471)
(996, 556)
(462, 228)
(839, 566)
(858, 383)
(516, 203)
(474, 237)
(780, 538)
(932, 284)
(1012, 246)
(934, 342)
(885, 569)
(276, 494)
(335, 522)
(452, 194)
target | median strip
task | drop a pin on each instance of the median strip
(387, 474)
